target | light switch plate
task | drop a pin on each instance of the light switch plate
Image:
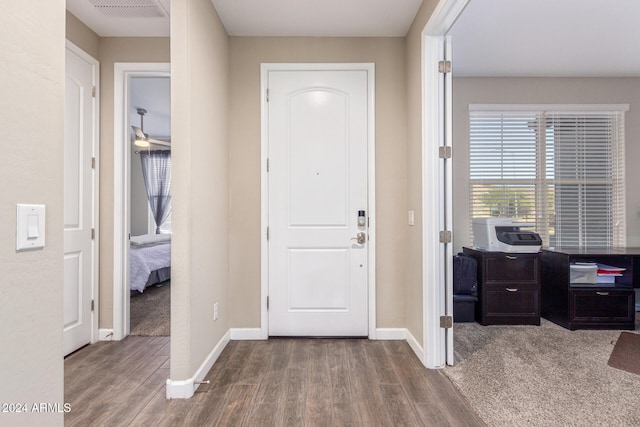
(30, 221)
(411, 218)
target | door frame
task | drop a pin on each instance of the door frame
(95, 146)
(122, 185)
(265, 68)
(436, 192)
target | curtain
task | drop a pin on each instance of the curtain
(156, 170)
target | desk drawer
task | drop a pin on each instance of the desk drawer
(511, 268)
(602, 305)
(516, 304)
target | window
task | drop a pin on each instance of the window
(558, 167)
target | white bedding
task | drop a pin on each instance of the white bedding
(145, 259)
(150, 239)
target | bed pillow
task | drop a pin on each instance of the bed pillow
(150, 239)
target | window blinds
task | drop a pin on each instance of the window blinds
(559, 168)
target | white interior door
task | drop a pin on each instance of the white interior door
(78, 200)
(448, 195)
(317, 184)
(437, 258)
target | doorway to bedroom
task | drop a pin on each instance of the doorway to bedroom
(149, 114)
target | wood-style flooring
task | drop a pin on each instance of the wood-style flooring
(278, 382)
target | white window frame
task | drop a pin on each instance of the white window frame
(539, 180)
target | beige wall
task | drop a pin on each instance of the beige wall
(543, 91)
(82, 36)
(388, 54)
(112, 50)
(200, 158)
(414, 299)
(31, 171)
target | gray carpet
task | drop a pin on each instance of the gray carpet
(150, 312)
(543, 376)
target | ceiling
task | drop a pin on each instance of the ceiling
(313, 18)
(547, 38)
(123, 18)
(491, 37)
(317, 18)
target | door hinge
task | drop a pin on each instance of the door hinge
(93, 92)
(93, 233)
(93, 305)
(445, 152)
(267, 233)
(445, 237)
(267, 302)
(444, 67)
(446, 322)
(267, 95)
(93, 163)
(267, 164)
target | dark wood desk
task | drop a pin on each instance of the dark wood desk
(589, 306)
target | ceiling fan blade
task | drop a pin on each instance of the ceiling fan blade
(139, 133)
(159, 142)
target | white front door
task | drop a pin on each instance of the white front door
(78, 200)
(317, 185)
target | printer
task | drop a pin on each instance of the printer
(505, 235)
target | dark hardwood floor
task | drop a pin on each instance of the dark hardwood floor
(278, 382)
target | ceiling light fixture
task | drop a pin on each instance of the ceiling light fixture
(142, 139)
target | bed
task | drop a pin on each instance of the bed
(149, 260)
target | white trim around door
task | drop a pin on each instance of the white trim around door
(123, 71)
(264, 72)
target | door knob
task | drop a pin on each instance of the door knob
(361, 238)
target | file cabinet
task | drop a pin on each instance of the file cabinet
(508, 287)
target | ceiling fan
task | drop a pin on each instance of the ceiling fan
(142, 139)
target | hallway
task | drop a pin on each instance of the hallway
(276, 382)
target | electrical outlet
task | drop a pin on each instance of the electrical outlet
(215, 311)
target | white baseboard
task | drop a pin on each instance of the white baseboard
(391, 333)
(180, 389)
(184, 389)
(105, 334)
(415, 346)
(243, 334)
